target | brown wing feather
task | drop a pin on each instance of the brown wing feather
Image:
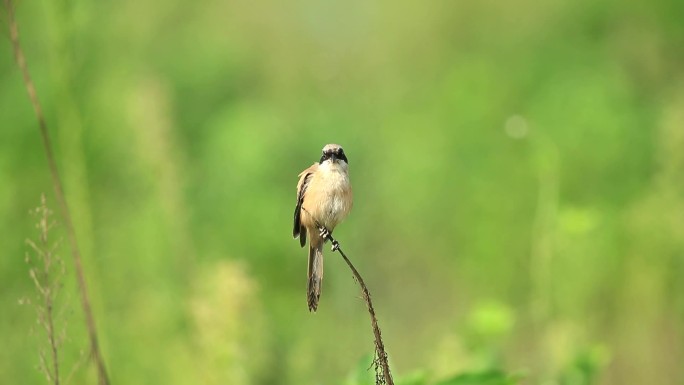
(304, 178)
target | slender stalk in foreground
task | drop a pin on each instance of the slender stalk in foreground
(385, 375)
(20, 59)
(380, 353)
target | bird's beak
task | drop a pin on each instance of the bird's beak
(333, 158)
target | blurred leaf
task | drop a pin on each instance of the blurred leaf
(363, 374)
(491, 318)
(586, 366)
(489, 377)
(415, 378)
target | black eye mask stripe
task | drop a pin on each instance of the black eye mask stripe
(339, 155)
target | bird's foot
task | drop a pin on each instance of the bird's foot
(323, 232)
(335, 246)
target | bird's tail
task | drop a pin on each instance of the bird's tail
(315, 273)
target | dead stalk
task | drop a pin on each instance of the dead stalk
(384, 376)
(20, 59)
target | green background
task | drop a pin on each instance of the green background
(518, 174)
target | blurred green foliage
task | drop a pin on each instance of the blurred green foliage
(517, 171)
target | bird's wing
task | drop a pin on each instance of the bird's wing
(304, 179)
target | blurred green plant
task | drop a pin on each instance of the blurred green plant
(230, 346)
(489, 321)
(490, 377)
(363, 375)
(586, 367)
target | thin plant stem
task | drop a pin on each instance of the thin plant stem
(380, 353)
(20, 59)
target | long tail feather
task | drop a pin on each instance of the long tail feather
(315, 275)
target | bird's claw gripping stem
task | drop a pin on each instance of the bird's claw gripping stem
(324, 233)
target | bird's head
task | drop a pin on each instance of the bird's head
(334, 154)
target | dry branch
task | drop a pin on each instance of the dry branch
(20, 59)
(380, 353)
(384, 376)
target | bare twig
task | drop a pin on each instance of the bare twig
(380, 353)
(20, 59)
(380, 360)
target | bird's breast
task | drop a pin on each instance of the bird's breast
(332, 197)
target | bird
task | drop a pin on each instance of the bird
(324, 199)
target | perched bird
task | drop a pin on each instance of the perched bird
(324, 198)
